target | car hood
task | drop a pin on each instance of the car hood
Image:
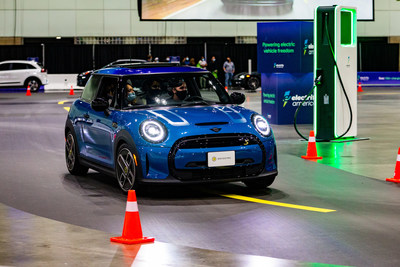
(208, 115)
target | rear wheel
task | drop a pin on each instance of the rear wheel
(259, 183)
(126, 167)
(71, 156)
(33, 83)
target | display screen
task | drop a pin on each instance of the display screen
(246, 10)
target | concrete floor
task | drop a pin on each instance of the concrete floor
(30, 240)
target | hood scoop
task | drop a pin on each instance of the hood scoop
(211, 123)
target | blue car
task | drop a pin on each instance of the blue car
(167, 124)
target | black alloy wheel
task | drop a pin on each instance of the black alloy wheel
(71, 158)
(125, 166)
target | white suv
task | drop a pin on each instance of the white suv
(22, 72)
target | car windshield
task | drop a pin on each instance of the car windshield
(176, 89)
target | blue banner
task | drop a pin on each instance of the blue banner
(285, 47)
(285, 53)
(379, 78)
(283, 94)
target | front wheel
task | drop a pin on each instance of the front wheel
(126, 167)
(71, 156)
(259, 183)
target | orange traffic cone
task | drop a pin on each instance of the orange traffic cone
(71, 91)
(396, 178)
(132, 232)
(28, 90)
(359, 88)
(311, 148)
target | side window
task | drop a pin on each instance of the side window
(5, 66)
(107, 90)
(90, 90)
(18, 66)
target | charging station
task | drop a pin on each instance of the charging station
(335, 72)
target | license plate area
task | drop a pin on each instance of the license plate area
(221, 159)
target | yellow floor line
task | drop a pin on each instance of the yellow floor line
(66, 108)
(267, 202)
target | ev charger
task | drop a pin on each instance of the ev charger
(335, 37)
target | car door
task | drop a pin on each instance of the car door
(19, 72)
(80, 113)
(99, 134)
(5, 72)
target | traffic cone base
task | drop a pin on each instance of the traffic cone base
(128, 241)
(394, 180)
(311, 157)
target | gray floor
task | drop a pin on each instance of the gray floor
(201, 226)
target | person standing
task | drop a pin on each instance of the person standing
(229, 69)
(213, 67)
(202, 63)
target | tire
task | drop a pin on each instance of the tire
(253, 83)
(34, 84)
(259, 183)
(71, 156)
(126, 169)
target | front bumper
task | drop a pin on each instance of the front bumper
(186, 161)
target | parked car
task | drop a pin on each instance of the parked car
(84, 76)
(22, 73)
(151, 124)
(249, 81)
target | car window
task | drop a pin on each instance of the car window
(19, 66)
(29, 66)
(90, 90)
(173, 89)
(107, 90)
(5, 66)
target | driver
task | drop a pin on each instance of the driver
(179, 90)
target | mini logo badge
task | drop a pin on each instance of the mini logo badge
(215, 129)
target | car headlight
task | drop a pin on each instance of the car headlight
(241, 76)
(153, 131)
(261, 125)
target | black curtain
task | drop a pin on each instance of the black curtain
(20, 52)
(373, 54)
(67, 58)
(105, 54)
(378, 57)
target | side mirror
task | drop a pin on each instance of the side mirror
(99, 104)
(237, 98)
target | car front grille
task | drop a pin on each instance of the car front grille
(200, 170)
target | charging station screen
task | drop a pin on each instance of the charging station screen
(256, 10)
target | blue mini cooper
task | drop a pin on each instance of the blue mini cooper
(148, 123)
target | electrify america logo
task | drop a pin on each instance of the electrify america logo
(297, 99)
(308, 48)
